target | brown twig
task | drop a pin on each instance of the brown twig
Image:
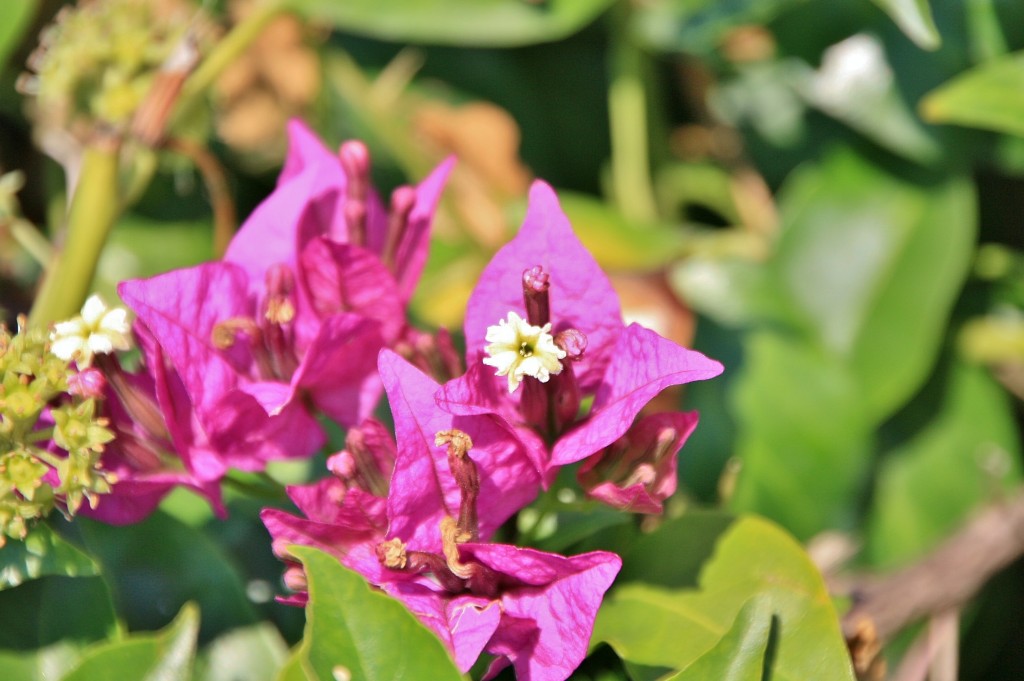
(225, 220)
(940, 582)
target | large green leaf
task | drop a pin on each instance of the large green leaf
(43, 552)
(51, 609)
(914, 17)
(253, 653)
(165, 656)
(989, 96)
(740, 654)
(351, 627)
(969, 452)
(484, 23)
(44, 664)
(158, 565)
(657, 626)
(875, 262)
(803, 434)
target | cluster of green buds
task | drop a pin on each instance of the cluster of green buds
(97, 62)
(50, 437)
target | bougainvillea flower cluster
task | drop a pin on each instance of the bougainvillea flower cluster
(546, 277)
(305, 317)
(241, 355)
(544, 332)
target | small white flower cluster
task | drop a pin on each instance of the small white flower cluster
(517, 349)
(99, 330)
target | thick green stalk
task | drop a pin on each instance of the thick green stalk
(94, 209)
(627, 113)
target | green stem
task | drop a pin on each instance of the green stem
(94, 209)
(39, 435)
(32, 240)
(627, 113)
(226, 52)
(985, 35)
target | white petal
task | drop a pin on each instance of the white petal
(93, 310)
(66, 348)
(115, 320)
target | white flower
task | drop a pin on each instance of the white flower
(99, 330)
(517, 349)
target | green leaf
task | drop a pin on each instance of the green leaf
(483, 23)
(361, 630)
(968, 453)
(158, 565)
(254, 653)
(803, 434)
(989, 96)
(914, 17)
(875, 262)
(658, 626)
(15, 17)
(43, 552)
(295, 667)
(51, 609)
(167, 655)
(740, 655)
(43, 664)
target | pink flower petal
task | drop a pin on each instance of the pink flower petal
(547, 622)
(423, 490)
(581, 296)
(343, 278)
(640, 496)
(643, 365)
(305, 150)
(180, 310)
(337, 370)
(411, 252)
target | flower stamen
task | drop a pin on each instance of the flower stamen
(517, 349)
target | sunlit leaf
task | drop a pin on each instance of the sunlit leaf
(989, 96)
(42, 553)
(674, 627)
(740, 654)
(490, 23)
(355, 629)
(43, 664)
(167, 655)
(253, 653)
